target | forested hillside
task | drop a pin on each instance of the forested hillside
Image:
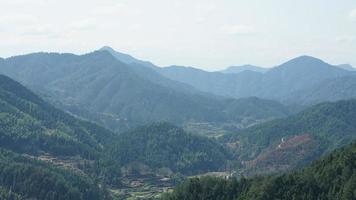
(28, 124)
(177, 100)
(119, 96)
(25, 178)
(330, 178)
(162, 145)
(287, 143)
(41, 134)
(58, 156)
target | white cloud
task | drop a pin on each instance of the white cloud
(352, 14)
(40, 29)
(345, 38)
(203, 10)
(17, 19)
(83, 25)
(238, 29)
(117, 9)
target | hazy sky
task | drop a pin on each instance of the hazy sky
(203, 33)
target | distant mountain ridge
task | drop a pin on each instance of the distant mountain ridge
(238, 69)
(329, 90)
(103, 89)
(126, 58)
(278, 83)
(347, 67)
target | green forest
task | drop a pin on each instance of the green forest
(331, 178)
(127, 132)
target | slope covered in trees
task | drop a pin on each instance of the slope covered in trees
(294, 141)
(330, 178)
(28, 124)
(119, 96)
(26, 178)
(162, 145)
(49, 154)
(43, 134)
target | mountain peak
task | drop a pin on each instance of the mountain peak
(306, 58)
(126, 58)
(304, 62)
(247, 67)
(106, 48)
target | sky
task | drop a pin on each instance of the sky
(208, 34)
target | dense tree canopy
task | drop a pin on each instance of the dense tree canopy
(164, 145)
(326, 126)
(27, 178)
(332, 177)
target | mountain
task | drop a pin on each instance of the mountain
(25, 178)
(278, 83)
(47, 153)
(98, 87)
(126, 58)
(297, 74)
(148, 71)
(329, 90)
(238, 69)
(346, 67)
(28, 124)
(214, 82)
(44, 152)
(254, 108)
(332, 177)
(162, 145)
(288, 82)
(292, 142)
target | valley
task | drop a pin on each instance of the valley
(177, 100)
(93, 126)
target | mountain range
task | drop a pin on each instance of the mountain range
(285, 82)
(280, 83)
(106, 125)
(74, 157)
(238, 69)
(98, 87)
(46, 153)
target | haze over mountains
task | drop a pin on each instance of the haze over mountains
(347, 67)
(279, 83)
(283, 83)
(47, 153)
(119, 96)
(238, 69)
(108, 87)
(128, 125)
